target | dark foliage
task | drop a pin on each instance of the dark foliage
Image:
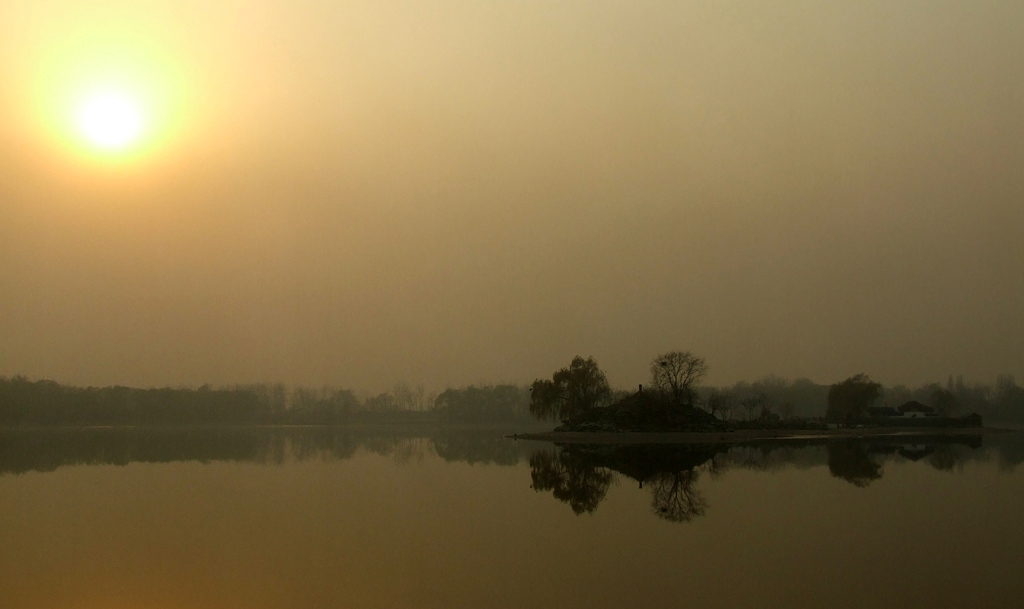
(490, 403)
(46, 403)
(23, 402)
(850, 399)
(571, 392)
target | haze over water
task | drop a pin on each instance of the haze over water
(317, 518)
(372, 225)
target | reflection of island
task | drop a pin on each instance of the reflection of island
(577, 474)
(580, 474)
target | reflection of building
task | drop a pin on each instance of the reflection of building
(915, 452)
(924, 415)
(916, 410)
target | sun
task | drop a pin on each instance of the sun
(110, 103)
(110, 121)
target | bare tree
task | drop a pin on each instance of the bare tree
(750, 405)
(719, 403)
(410, 398)
(727, 408)
(677, 374)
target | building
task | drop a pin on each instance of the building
(916, 410)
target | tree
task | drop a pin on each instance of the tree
(486, 403)
(719, 403)
(760, 403)
(571, 391)
(850, 399)
(677, 374)
(945, 402)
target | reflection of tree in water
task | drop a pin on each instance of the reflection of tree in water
(759, 458)
(944, 459)
(850, 461)
(675, 498)
(580, 475)
(473, 447)
(49, 449)
(571, 480)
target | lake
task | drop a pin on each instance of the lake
(365, 517)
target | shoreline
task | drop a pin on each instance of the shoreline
(747, 435)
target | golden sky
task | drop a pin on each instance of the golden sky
(457, 192)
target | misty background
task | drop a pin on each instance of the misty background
(468, 192)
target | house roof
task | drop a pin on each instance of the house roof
(915, 406)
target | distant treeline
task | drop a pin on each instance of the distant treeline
(802, 398)
(24, 402)
(46, 403)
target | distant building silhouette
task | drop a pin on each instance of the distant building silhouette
(915, 410)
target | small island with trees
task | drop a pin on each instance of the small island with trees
(673, 407)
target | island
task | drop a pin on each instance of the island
(672, 410)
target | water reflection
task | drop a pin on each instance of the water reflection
(580, 475)
(570, 479)
(45, 450)
(575, 474)
(675, 497)
(444, 517)
(851, 461)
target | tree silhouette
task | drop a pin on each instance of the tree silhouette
(719, 403)
(850, 399)
(677, 374)
(571, 391)
(759, 403)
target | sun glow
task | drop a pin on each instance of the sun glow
(110, 103)
(110, 120)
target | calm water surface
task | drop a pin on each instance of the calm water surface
(362, 518)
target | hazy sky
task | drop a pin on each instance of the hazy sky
(450, 192)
